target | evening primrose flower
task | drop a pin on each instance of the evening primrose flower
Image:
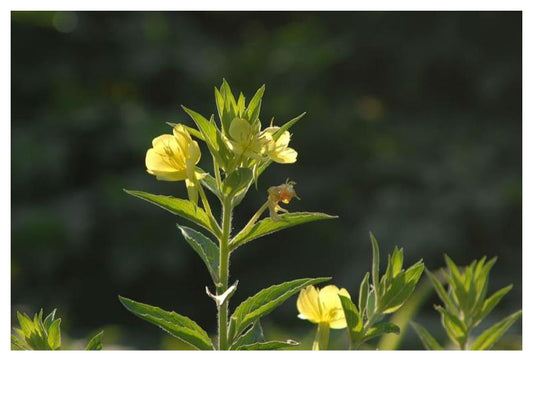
(284, 193)
(246, 140)
(279, 150)
(173, 158)
(322, 306)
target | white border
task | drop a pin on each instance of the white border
(357, 375)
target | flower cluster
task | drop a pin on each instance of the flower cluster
(238, 142)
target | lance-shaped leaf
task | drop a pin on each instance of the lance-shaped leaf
(401, 289)
(254, 107)
(206, 249)
(286, 126)
(492, 302)
(176, 325)
(489, 337)
(96, 342)
(252, 335)
(267, 226)
(455, 328)
(429, 342)
(54, 335)
(354, 320)
(272, 345)
(265, 301)
(380, 329)
(212, 137)
(439, 288)
(363, 293)
(375, 267)
(180, 207)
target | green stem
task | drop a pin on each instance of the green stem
(322, 337)
(254, 219)
(224, 274)
(207, 208)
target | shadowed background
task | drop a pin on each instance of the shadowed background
(413, 131)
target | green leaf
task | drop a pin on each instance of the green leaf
(206, 249)
(18, 344)
(252, 335)
(380, 329)
(241, 105)
(254, 107)
(236, 182)
(265, 301)
(455, 328)
(354, 321)
(212, 137)
(176, 325)
(396, 261)
(363, 293)
(54, 335)
(26, 324)
(375, 266)
(441, 291)
(401, 289)
(267, 226)
(489, 337)
(286, 126)
(180, 207)
(49, 319)
(96, 342)
(429, 342)
(273, 345)
(492, 302)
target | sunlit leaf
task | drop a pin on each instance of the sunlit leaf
(265, 301)
(489, 337)
(176, 325)
(54, 335)
(272, 345)
(96, 342)
(183, 208)
(267, 226)
(206, 249)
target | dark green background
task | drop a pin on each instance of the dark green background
(413, 131)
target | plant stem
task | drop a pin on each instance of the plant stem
(224, 274)
(207, 208)
(254, 218)
(322, 337)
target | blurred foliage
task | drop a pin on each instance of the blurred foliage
(413, 131)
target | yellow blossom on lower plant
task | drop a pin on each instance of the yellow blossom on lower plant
(174, 157)
(322, 306)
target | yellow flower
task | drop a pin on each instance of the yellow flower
(245, 140)
(284, 193)
(279, 150)
(173, 158)
(322, 306)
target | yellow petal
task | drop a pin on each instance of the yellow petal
(162, 140)
(155, 161)
(331, 306)
(307, 304)
(283, 140)
(169, 176)
(285, 156)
